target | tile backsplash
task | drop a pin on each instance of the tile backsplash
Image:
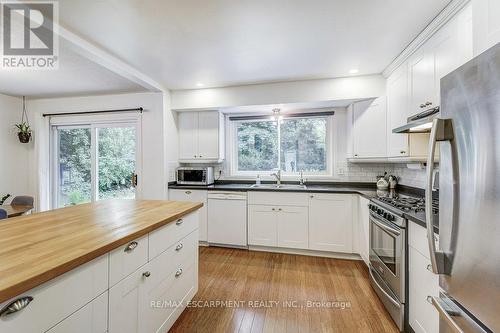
(409, 175)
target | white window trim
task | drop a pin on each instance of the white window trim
(231, 147)
(92, 122)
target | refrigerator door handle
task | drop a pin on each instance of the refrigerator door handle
(442, 130)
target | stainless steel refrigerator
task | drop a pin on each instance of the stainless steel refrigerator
(468, 255)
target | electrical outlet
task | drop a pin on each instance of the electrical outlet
(340, 171)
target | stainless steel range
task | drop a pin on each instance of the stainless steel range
(388, 243)
(388, 259)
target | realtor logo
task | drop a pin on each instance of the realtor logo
(29, 39)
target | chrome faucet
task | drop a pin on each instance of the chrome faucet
(277, 174)
(301, 179)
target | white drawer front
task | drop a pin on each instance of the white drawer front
(161, 239)
(166, 289)
(92, 318)
(58, 298)
(278, 198)
(417, 238)
(124, 260)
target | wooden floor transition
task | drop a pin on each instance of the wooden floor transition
(290, 293)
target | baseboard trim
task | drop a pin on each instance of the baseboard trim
(311, 253)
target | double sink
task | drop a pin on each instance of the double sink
(280, 187)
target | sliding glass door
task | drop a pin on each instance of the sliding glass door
(94, 162)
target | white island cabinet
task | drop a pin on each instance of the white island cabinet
(194, 196)
(141, 286)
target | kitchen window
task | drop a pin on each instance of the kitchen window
(292, 144)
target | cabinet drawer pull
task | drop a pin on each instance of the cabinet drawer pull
(146, 274)
(273, 209)
(429, 268)
(311, 196)
(280, 209)
(131, 247)
(15, 306)
(178, 272)
(429, 299)
(428, 103)
(422, 106)
(179, 222)
(403, 152)
(188, 192)
(179, 247)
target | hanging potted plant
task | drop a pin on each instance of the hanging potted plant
(23, 128)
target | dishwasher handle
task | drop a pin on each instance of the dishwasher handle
(227, 196)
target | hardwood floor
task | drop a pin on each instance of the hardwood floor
(242, 276)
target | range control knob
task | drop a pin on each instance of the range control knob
(379, 211)
(385, 215)
(390, 217)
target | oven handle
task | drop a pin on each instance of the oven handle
(386, 294)
(385, 227)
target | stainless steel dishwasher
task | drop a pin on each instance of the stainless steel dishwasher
(227, 218)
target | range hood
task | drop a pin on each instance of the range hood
(419, 123)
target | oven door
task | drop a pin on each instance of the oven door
(191, 176)
(387, 253)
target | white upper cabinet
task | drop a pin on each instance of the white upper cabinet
(486, 24)
(449, 48)
(421, 81)
(201, 137)
(369, 128)
(188, 135)
(397, 111)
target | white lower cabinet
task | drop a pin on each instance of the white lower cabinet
(127, 303)
(364, 229)
(92, 318)
(322, 222)
(423, 317)
(57, 299)
(262, 225)
(194, 196)
(292, 225)
(147, 300)
(330, 222)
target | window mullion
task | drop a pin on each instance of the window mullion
(279, 144)
(94, 163)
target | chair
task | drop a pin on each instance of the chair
(22, 200)
(3, 214)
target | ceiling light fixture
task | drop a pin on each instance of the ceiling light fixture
(199, 84)
(354, 71)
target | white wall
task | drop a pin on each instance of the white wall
(359, 87)
(15, 155)
(159, 135)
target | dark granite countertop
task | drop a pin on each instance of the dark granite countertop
(367, 190)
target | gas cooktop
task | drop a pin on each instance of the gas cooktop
(409, 203)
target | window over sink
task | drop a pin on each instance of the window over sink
(292, 144)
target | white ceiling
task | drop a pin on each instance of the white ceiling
(231, 42)
(76, 76)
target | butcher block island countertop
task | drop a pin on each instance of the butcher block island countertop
(39, 247)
